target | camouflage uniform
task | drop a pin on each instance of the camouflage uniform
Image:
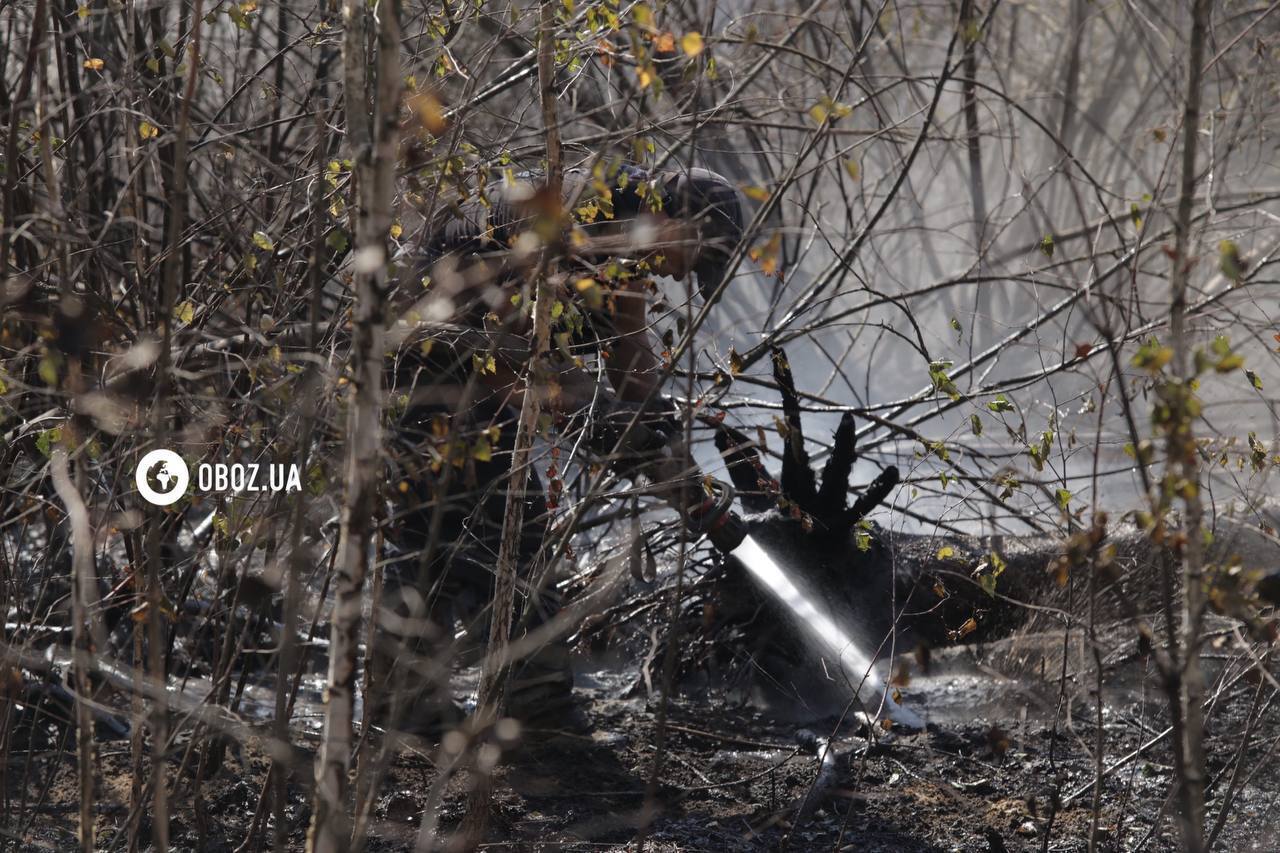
(432, 585)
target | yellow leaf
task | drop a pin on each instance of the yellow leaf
(645, 76)
(396, 231)
(94, 64)
(429, 112)
(818, 113)
(590, 291)
(147, 130)
(692, 44)
(851, 166)
(262, 241)
(946, 552)
(766, 255)
(185, 313)
(756, 193)
(82, 11)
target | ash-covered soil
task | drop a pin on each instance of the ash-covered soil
(1004, 765)
(755, 754)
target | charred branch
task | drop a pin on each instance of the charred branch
(746, 471)
(875, 494)
(797, 477)
(834, 492)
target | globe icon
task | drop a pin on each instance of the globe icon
(162, 475)
(166, 469)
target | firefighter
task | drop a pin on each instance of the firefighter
(456, 394)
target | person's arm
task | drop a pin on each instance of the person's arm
(633, 369)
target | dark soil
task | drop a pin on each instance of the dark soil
(993, 772)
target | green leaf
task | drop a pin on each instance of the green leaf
(46, 440)
(1000, 404)
(975, 424)
(1230, 262)
(48, 369)
(1046, 245)
(337, 240)
(941, 381)
(1064, 498)
(1254, 380)
(262, 241)
(1152, 357)
(1229, 363)
(316, 481)
(185, 313)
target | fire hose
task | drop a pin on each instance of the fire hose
(706, 503)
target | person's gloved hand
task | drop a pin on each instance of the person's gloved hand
(631, 431)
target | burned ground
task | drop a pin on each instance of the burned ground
(986, 775)
(1022, 680)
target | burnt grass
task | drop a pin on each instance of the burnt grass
(993, 772)
(759, 750)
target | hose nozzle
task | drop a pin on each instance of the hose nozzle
(715, 518)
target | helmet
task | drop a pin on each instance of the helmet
(713, 204)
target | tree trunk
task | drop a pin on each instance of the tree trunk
(373, 143)
(493, 677)
(1184, 464)
(82, 591)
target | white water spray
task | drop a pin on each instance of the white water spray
(856, 665)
